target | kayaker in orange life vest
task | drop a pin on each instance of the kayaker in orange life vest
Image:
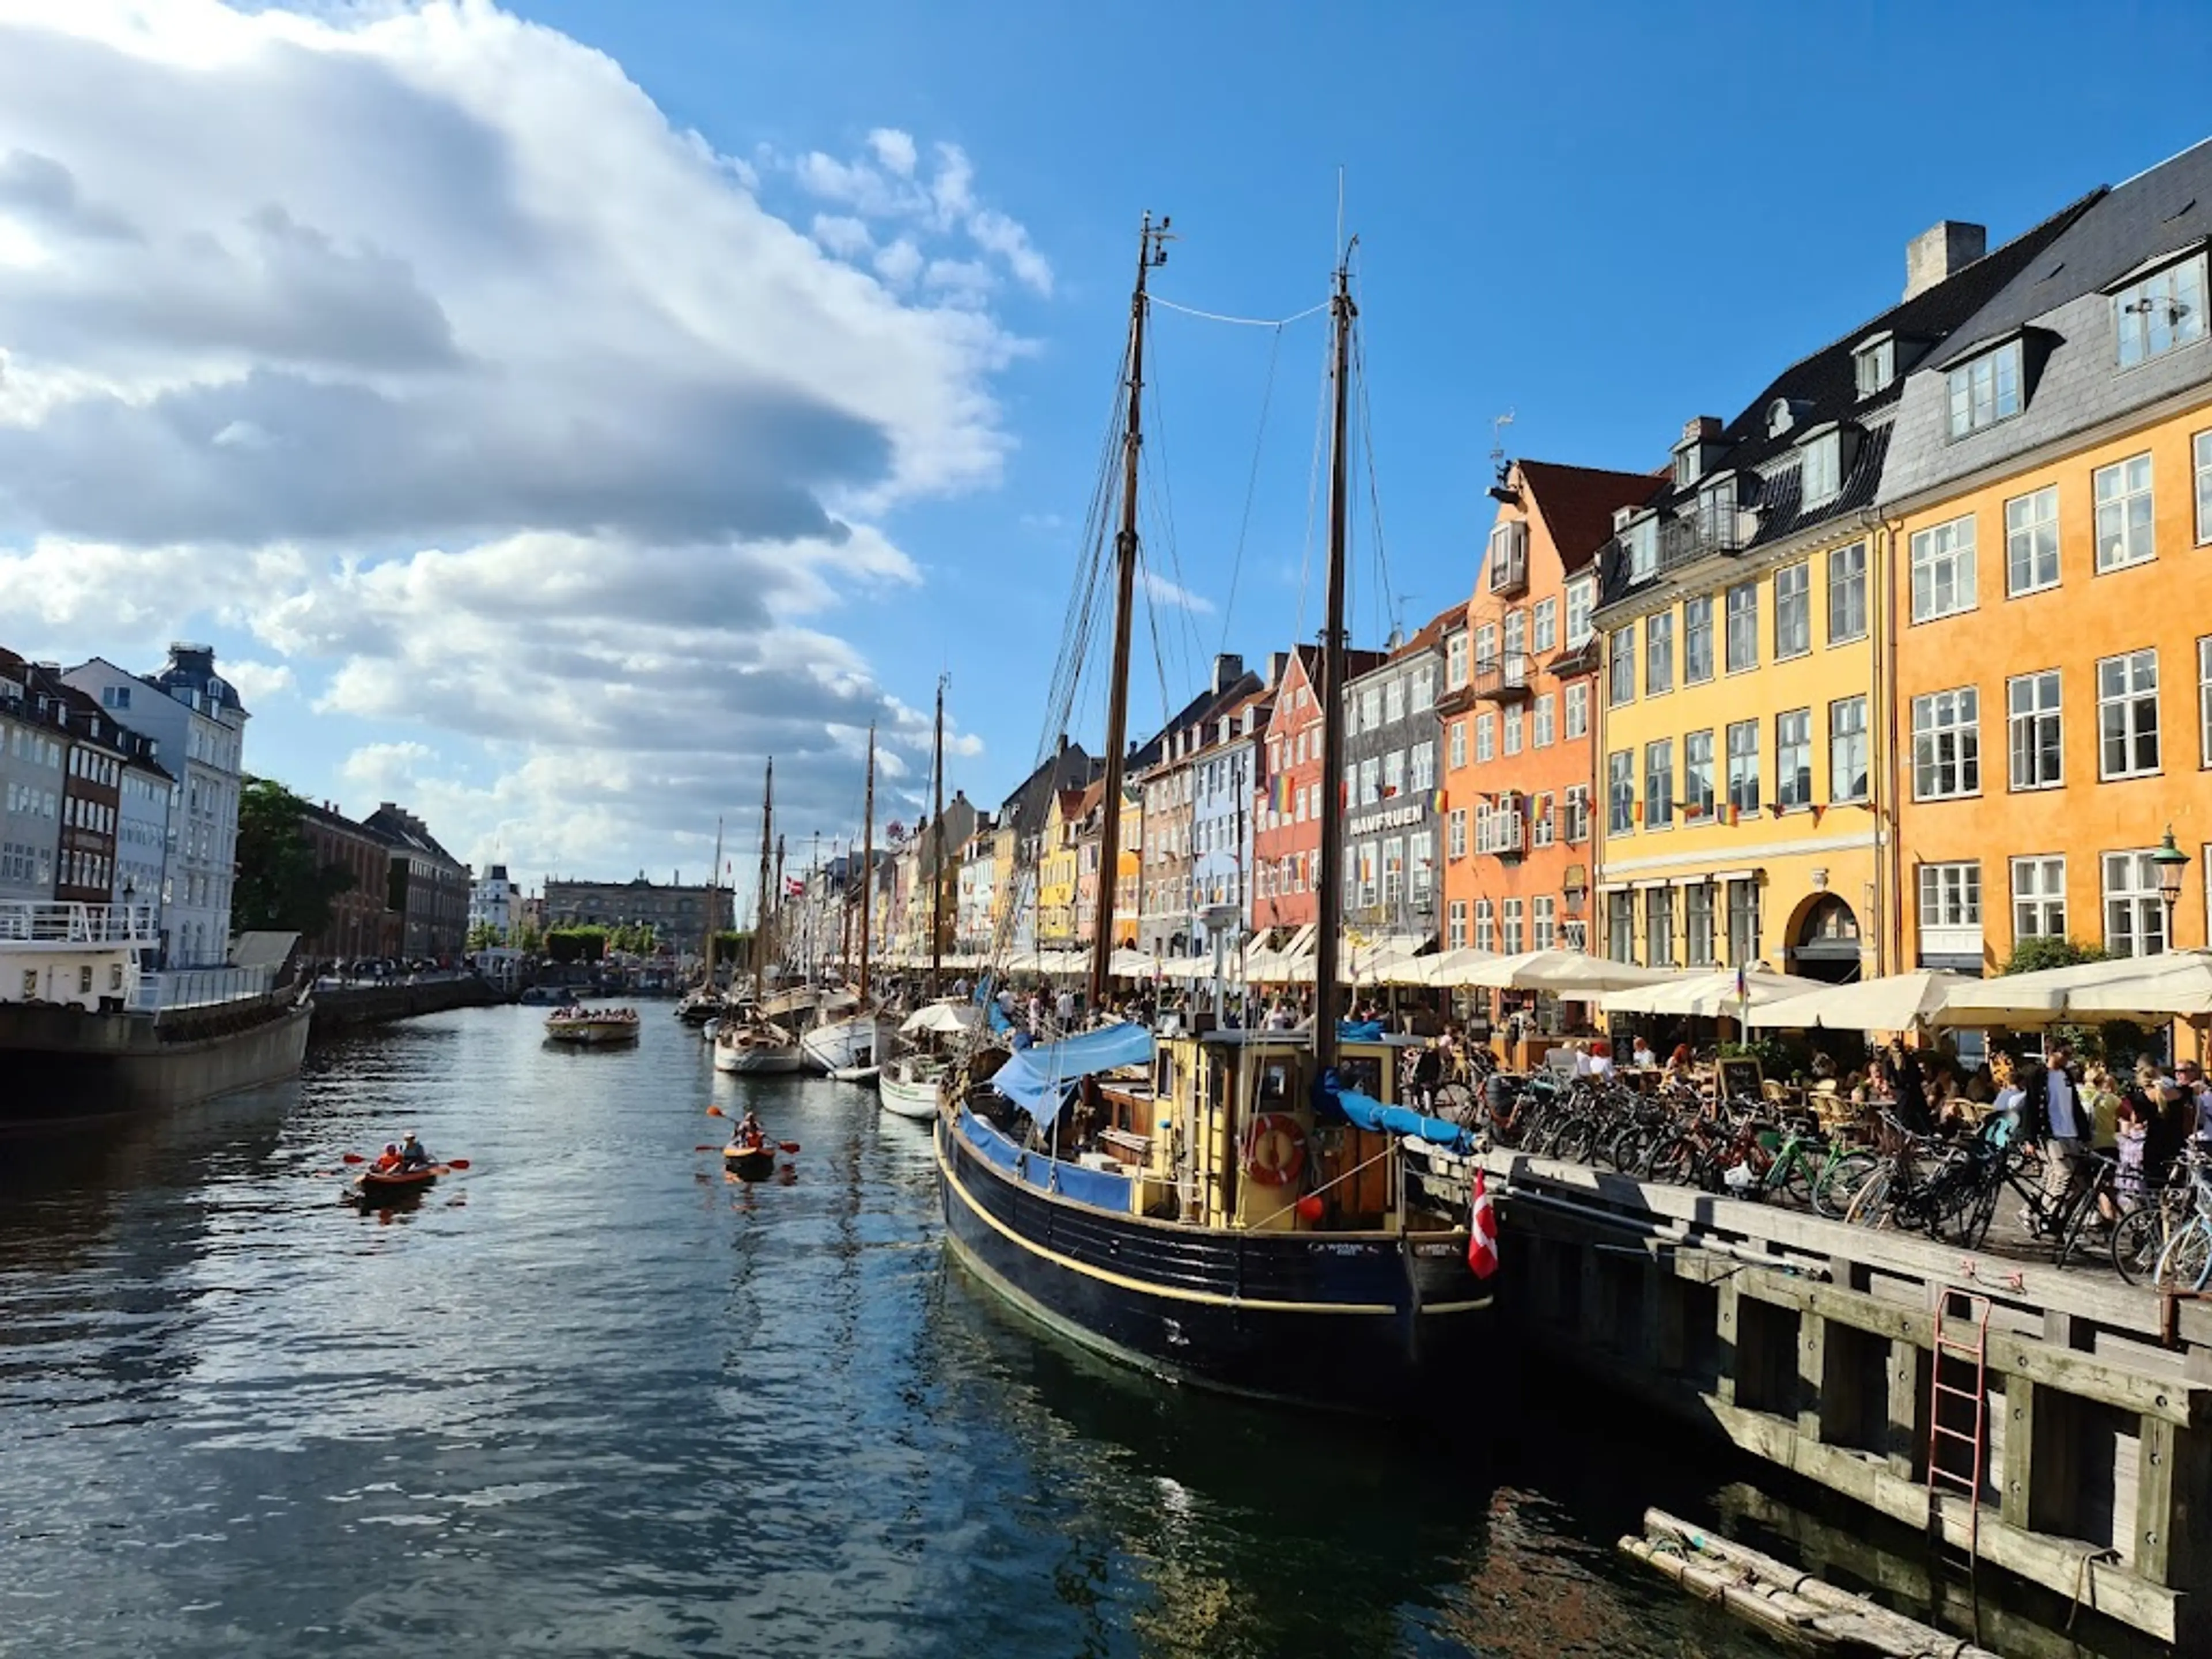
(388, 1160)
(750, 1132)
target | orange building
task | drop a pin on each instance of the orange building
(1286, 809)
(2049, 499)
(1518, 713)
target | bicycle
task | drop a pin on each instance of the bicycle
(2183, 1203)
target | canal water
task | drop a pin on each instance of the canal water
(590, 1398)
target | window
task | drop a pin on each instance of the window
(1423, 767)
(1486, 646)
(2032, 542)
(1946, 744)
(1394, 773)
(1543, 932)
(1506, 563)
(1510, 916)
(1847, 748)
(1485, 936)
(1543, 826)
(1622, 688)
(1943, 569)
(1458, 745)
(1582, 600)
(2031, 731)
(1486, 737)
(1716, 515)
(1743, 922)
(1950, 895)
(1697, 639)
(1456, 842)
(1620, 792)
(1986, 389)
(1394, 701)
(1658, 928)
(2039, 898)
(1659, 784)
(1793, 757)
(2127, 715)
(2124, 513)
(1641, 543)
(1370, 707)
(1370, 782)
(1698, 775)
(1575, 814)
(1621, 925)
(1821, 476)
(2204, 701)
(1456, 924)
(2163, 311)
(1578, 710)
(1659, 653)
(1548, 625)
(1847, 593)
(2135, 916)
(2202, 448)
(1513, 729)
(1874, 364)
(1455, 662)
(1421, 688)
(1743, 627)
(1547, 712)
(1793, 611)
(1394, 870)
(1698, 923)
(1743, 766)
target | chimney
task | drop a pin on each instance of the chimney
(1701, 429)
(1277, 663)
(1228, 669)
(1940, 252)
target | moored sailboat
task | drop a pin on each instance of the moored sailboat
(849, 1035)
(749, 1038)
(1233, 1209)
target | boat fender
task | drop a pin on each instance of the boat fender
(1275, 1150)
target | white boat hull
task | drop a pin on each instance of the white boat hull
(761, 1060)
(908, 1096)
(844, 1045)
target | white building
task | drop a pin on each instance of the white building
(495, 902)
(196, 718)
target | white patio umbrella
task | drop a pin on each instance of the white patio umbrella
(1569, 974)
(2177, 985)
(1708, 996)
(1129, 964)
(2044, 998)
(1895, 1002)
(1451, 968)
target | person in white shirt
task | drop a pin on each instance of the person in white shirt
(1642, 1056)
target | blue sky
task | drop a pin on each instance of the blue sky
(1605, 218)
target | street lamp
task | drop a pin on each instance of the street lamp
(2171, 861)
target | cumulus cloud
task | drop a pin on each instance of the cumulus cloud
(1163, 592)
(257, 682)
(412, 341)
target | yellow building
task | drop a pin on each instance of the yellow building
(1056, 873)
(1128, 885)
(1742, 756)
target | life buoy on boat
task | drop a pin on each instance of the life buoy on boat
(1274, 1150)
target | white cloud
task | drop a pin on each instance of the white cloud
(257, 682)
(411, 341)
(1165, 592)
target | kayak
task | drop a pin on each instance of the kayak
(371, 1183)
(751, 1162)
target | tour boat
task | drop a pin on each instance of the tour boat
(592, 1027)
(1238, 1210)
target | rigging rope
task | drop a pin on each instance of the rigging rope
(1251, 487)
(1243, 322)
(1367, 456)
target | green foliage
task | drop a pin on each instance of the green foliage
(482, 937)
(635, 940)
(570, 945)
(2034, 954)
(731, 947)
(529, 939)
(279, 887)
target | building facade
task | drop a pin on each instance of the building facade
(362, 922)
(2051, 488)
(1519, 735)
(679, 914)
(197, 725)
(1743, 775)
(32, 747)
(1222, 768)
(1391, 863)
(1287, 808)
(92, 798)
(427, 887)
(492, 898)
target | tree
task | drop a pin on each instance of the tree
(576, 943)
(529, 939)
(482, 937)
(2036, 952)
(279, 887)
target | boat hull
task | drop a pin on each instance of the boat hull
(1358, 1322)
(843, 1045)
(591, 1034)
(62, 1065)
(909, 1097)
(753, 1163)
(758, 1062)
(371, 1188)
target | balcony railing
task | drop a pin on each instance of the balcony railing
(53, 921)
(1503, 678)
(199, 988)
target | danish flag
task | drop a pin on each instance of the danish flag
(1481, 1230)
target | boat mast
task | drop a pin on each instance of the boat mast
(760, 924)
(1331, 896)
(867, 859)
(713, 901)
(937, 855)
(782, 925)
(1151, 250)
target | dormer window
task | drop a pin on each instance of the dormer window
(1821, 470)
(1780, 417)
(1985, 389)
(1687, 465)
(1718, 521)
(1640, 542)
(1874, 364)
(2154, 313)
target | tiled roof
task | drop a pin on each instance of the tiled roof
(1576, 504)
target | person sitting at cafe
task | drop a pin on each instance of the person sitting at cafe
(1642, 1058)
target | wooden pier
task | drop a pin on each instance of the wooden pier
(2072, 1435)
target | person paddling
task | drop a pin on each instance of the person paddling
(750, 1132)
(388, 1160)
(413, 1155)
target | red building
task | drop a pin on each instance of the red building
(1287, 808)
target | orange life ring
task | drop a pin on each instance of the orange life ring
(1275, 1150)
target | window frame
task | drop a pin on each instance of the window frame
(1793, 785)
(1620, 667)
(2132, 310)
(1659, 653)
(1743, 781)
(2131, 700)
(1929, 552)
(2038, 898)
(2034, 719)
(2148, 909)
(1544, 624)
(2029, 529)
(1575, 710)
(1799, 616)
(1620, 793)
(1841, 769)
(1850, 583)
(1749, 623)
(1964, 733)
(2126, 495)
(1659, 784)
(1698, 796)
(1828, 451)
(1699, 605)
(1963, 378)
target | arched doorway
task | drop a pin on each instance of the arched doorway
(1827, 943)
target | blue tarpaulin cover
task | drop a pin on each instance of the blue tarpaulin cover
(1037, 1078)
(1359, 1031)
(1098, 1187)
(1367, 1113)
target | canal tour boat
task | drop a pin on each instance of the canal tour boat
(592, 1027)
(1238, 1210)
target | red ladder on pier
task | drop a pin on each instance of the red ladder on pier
(1959, 1310)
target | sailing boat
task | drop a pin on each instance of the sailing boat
(848, 1046)
(1243, 1215)
(704, 1002)
(749, 1039)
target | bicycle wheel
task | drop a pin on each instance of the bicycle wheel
(2187, 1261)
(1839, 1180)
(1869, 1205)
(2137, 1243)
